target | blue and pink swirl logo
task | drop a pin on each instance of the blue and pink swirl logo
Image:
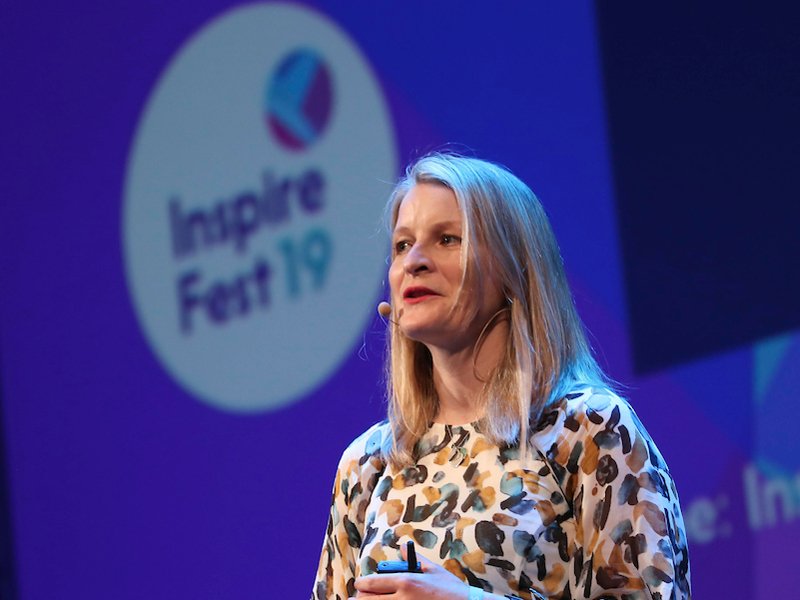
(298, 99)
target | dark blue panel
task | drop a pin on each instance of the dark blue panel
(704, 128)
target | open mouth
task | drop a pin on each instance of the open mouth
(417, 292)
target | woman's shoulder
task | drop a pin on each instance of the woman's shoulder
(365, 453)
(589, 407)
(595, 420)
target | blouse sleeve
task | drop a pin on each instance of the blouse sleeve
(630, 540)
(356, 476)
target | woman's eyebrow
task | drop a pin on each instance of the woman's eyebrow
(448, 225)
(438, 226)
(401, 230)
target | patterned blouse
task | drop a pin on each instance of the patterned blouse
(593, 514)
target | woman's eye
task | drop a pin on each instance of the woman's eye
(449, 240)
(401, 246)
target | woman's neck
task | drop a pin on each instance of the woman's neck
(460, 375)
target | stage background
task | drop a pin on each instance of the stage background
(173, 407)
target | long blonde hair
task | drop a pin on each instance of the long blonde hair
(547, 353)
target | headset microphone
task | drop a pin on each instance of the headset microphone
(385, 309)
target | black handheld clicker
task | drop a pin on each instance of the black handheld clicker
(402, 566)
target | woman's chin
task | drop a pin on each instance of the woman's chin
(416, 332)
(424, 332)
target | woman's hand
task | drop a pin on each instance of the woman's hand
(434, 583)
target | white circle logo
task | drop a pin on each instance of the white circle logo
(252, 205)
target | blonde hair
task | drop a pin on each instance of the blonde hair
(547, 354)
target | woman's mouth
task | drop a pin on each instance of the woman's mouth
(416, 294)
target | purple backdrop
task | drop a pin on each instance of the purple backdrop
(124, 485)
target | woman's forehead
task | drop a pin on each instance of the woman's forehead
(427, 203)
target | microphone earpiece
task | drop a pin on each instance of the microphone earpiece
(385, 309)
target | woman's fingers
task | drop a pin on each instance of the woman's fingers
(377, 584)
(389, 584)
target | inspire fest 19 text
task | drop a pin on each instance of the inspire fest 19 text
(304, 260)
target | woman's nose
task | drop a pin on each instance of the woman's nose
(416, 260)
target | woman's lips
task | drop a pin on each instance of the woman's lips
(414, 295)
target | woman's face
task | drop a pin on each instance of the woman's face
(426, 273)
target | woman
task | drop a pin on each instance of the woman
(506, 457)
